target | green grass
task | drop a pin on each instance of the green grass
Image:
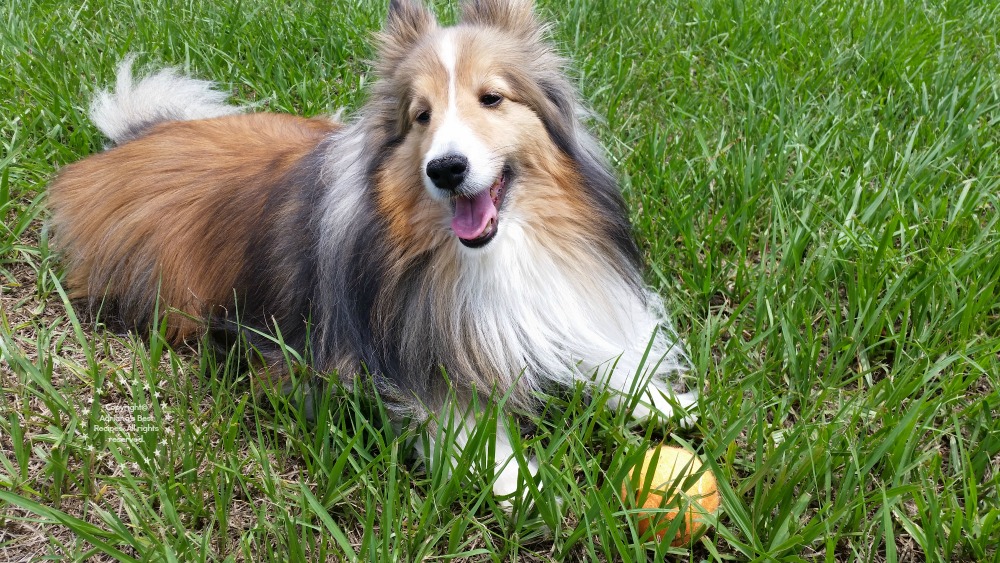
(816, 186)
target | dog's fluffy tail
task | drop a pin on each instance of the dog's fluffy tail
(133, 107)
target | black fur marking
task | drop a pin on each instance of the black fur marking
(414, 372)
(276, 288)
(603, 189)
(139, 129)
(354, 290)
(352, 272)
(130, 309)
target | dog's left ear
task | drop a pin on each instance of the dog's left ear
(512, 16)
(407, 23)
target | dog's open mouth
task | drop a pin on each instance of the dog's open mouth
(477, 216)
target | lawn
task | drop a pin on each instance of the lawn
(815, 186)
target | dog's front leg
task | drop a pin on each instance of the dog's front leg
(647, 377)
(463, 437)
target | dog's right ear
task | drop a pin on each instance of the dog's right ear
(513, 16)
(407, 23)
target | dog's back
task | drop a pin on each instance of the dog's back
(176, 209)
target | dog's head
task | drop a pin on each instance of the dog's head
(480, 119)
(499, 211)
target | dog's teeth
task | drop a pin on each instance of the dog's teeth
(495, 189)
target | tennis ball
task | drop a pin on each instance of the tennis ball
(675, 470)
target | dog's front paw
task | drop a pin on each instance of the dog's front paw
(667, 404)
(505, 486)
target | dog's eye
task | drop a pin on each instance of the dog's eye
(424, 117)
(490, 99)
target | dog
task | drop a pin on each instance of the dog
(461, 240)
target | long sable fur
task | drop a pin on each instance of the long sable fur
(204, 214)
(275, 223)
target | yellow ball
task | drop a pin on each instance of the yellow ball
(675, 468)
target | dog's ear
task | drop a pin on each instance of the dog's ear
(408, 21)
(512, 16)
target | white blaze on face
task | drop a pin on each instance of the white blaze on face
(453, 135)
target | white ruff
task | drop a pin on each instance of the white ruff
(536, 311)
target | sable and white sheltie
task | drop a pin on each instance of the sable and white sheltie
(464, 223)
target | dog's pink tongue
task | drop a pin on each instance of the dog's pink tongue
(472, 215)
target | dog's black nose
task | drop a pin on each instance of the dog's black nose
(448, 172)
